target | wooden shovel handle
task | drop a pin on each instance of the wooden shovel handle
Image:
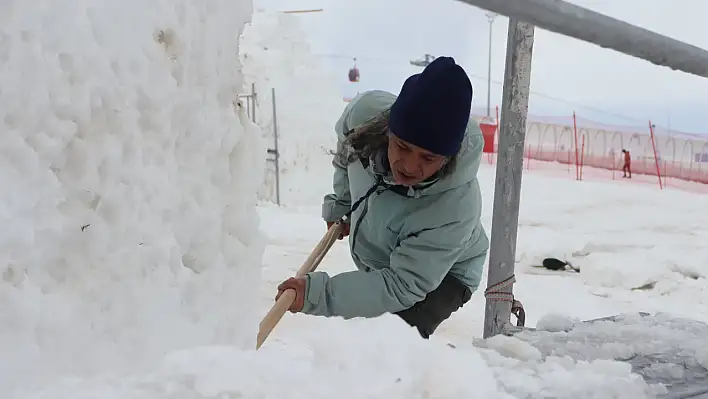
(283, 303)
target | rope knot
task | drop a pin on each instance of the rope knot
(495, 292)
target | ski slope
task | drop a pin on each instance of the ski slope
(136, 263)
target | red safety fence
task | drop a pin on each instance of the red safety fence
(580, 143)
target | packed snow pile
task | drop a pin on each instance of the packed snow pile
(621, 337)
(276, 55)
(128, 183)
(666, 351)
(379, 359)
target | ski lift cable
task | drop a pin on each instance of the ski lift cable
(496, 82)
(567, 102)
(357, 57)
(301, 11)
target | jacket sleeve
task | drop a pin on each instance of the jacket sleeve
(417, 266)
(337, 203)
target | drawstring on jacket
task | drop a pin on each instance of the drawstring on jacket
(379, 183)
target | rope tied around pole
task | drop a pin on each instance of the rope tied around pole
(495, 293)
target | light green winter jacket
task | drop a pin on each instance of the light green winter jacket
(403, 245)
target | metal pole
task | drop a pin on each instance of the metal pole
(276, 152)
(570, 20)
(507, 188)
(253, 102)
(490, 16)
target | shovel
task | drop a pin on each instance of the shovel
(278, 310)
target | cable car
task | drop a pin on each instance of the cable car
(354, 73)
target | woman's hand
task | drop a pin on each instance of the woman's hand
(298, 284)
(345, 229)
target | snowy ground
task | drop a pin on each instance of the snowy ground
(616, 233)
(130, 251)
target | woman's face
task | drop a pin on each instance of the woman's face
(410, 164)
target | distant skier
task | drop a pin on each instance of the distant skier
(627, 167)
(410, 164)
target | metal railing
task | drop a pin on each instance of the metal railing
(272, 154)
(251, 102)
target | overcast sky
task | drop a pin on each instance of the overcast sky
(598, 84)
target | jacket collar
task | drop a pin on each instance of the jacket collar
(379, 166)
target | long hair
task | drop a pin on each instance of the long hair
(371, 137)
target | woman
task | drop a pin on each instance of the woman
(410, 164)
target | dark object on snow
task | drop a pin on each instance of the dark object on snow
(554, 264)
(645, 287)
(557, 264)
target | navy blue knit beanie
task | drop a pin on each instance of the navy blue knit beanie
(433, 108)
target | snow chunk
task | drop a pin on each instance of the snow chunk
(510, 347)
(663, 349)
(556, 322)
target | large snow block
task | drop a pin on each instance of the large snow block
(128, 187)
(661, 348)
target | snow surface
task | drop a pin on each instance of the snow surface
(678, 343)
(535, 366)
(159, 296)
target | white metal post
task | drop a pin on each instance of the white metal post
(507, 187)
(276, 150)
